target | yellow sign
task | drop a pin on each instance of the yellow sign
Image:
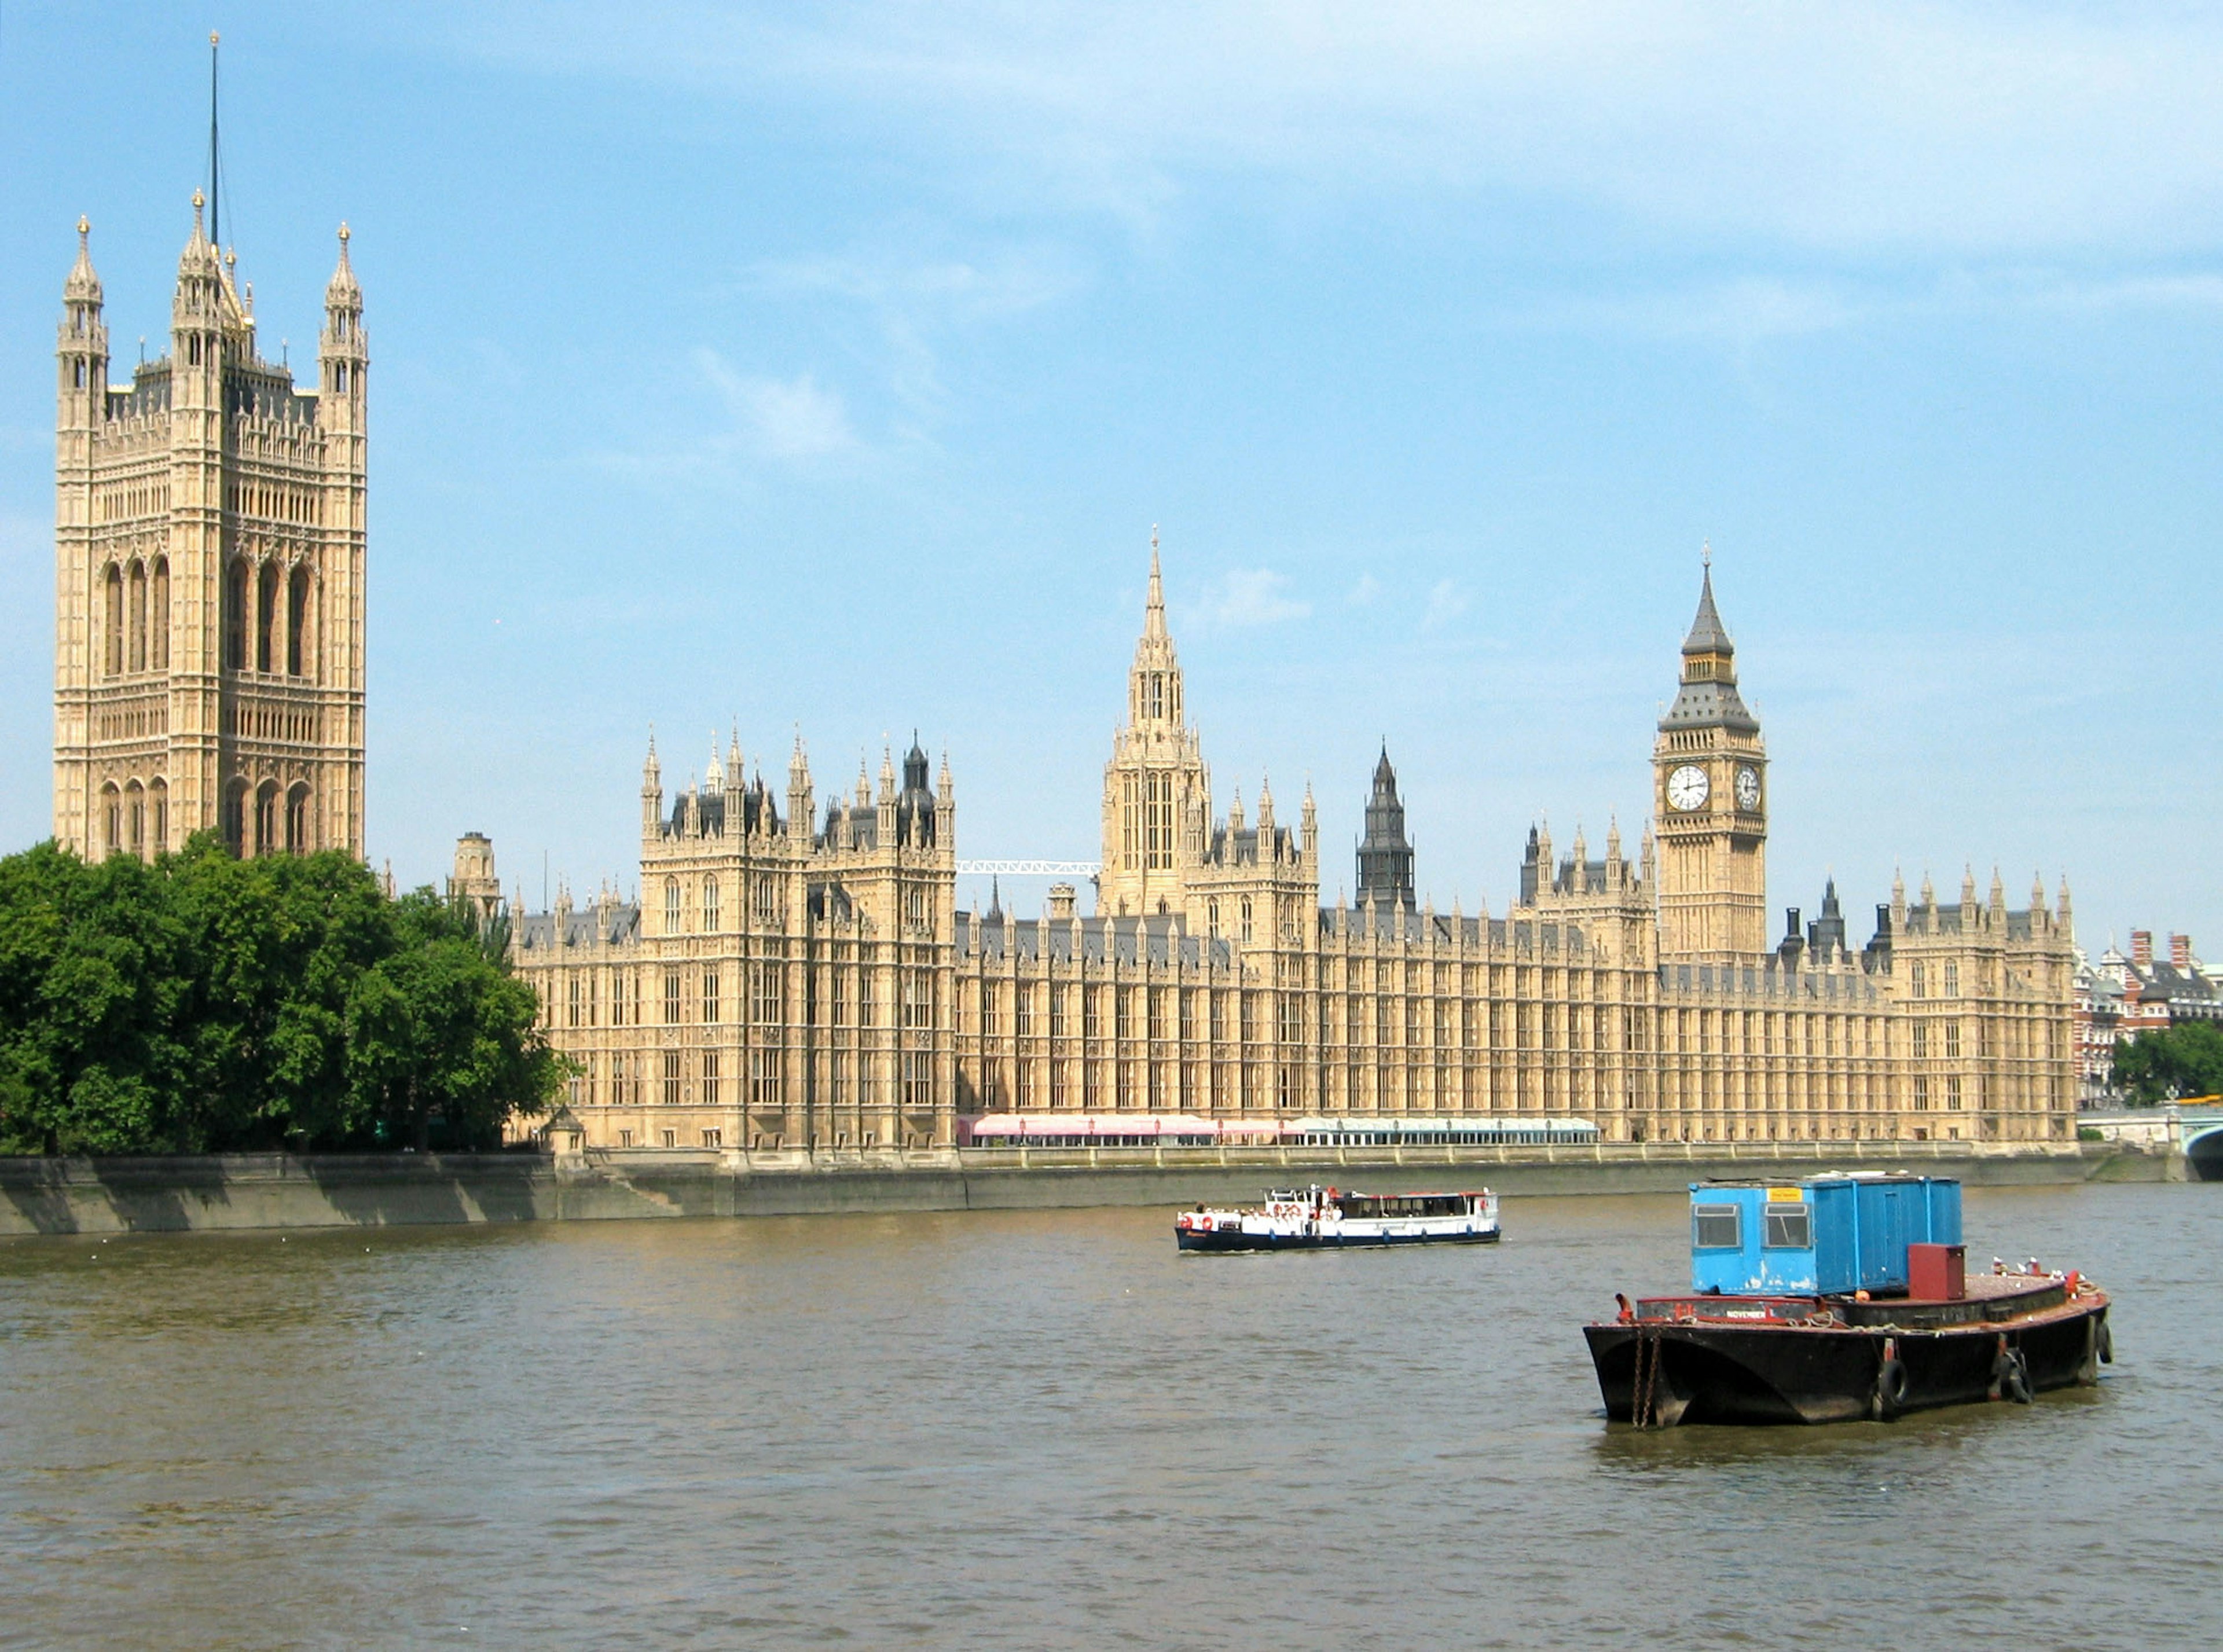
(1786, 1196)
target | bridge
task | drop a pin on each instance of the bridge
(1026, 868)
(2191, 1131)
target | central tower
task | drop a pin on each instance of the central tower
(1157, 796)
(1709, 772)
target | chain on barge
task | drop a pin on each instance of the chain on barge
(1840, 1297)
(1317, 1218)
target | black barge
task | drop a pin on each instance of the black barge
(1904, 1328)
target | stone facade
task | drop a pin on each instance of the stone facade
(787, 981)
(209, 534)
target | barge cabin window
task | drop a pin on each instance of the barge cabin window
(1790, 1227)
(1717, 1226)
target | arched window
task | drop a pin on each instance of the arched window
(134, 814)
(1246, 917)
(112, 814)
(266, 818)
(137, 630)
(113, 642)
(160, 795)
(266, 619)
(235, 618)
(297, 820)
(235, 817)
(158, 644)
(1212, 917)
(670, 906)
(710, 906)
(298, 659)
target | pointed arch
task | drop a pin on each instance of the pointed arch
(135, 622)
(158, 798)
(112, 642)
(298, 840)
(235, 616)
(158, 643)
(266, 818)
(111, 818)
(134, 818)
(300, 660)
(266, 619)
(235, 817)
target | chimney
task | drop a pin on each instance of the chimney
(2142, 949)
(2180, 952)
(1061, 901)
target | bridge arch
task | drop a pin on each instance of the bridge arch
(2203, 1149)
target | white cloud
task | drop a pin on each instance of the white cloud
(1363, 593)
(781, 418)
(1961, 127)
(1253, 596)
(1446, 602)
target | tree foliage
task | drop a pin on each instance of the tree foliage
(2185, 1060)
(205, 1003)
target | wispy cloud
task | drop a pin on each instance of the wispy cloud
(1949, 126)
(781, 418)
(1446, 602)
(1252, 596)
(1363, 592)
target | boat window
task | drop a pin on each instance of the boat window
(1790, 1226)
(1717, 1226)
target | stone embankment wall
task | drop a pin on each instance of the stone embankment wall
(108, 1195)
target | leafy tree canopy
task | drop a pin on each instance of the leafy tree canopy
(205, 1003)
(2185, 1060)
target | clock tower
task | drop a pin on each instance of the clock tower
(1710, 799)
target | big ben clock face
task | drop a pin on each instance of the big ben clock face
(1747, 788)
(1686, 788)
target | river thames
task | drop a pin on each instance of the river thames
(1047, 1429)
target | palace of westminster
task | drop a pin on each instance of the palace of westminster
(797, 972)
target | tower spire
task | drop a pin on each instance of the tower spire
(216, 170)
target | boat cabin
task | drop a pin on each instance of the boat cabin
(1820, 1235)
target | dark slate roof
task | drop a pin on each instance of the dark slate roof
(536, 931)
(1706, 635)
(1709, 705)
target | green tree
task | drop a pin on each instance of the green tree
(205, 1003)
(2185, 1060)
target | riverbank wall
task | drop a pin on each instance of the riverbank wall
(113, 1195)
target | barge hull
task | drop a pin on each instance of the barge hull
(1227, 1240)
(1715, 1373)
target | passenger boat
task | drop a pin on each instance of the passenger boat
(1840, 1297)
(1317, 1218)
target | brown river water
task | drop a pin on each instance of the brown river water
(1048, 1430)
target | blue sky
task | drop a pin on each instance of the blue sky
(826, 366)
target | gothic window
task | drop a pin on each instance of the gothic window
(915, 906)
(111, 801)
(1953, 1092)
(266, 817)
(670, 1086)
(1953, 1039)
(235, 617)
(1122, 1012)
(711, 916)
(767, 896)
(235, 817)
(1057, 996)
(574, 1001)
(1091, 1012)
(160, 795)
(840, 998)
(670, 906)
(297, 820)
(298, 660)
(1212, 917)
(1023, 1016)
(710, 995)
(1158, 821)
(159, 644)
(1952, 979)
(1921, 1041)
(113, 650)
(1246, 918)
(137, 626)
(671, 997)
(988, 1017)
(764, 1008)
(1914, 980)
(710, 1138)
(266, 619)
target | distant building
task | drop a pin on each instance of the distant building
(2119, 997)
(789, 979)
(209, 537)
